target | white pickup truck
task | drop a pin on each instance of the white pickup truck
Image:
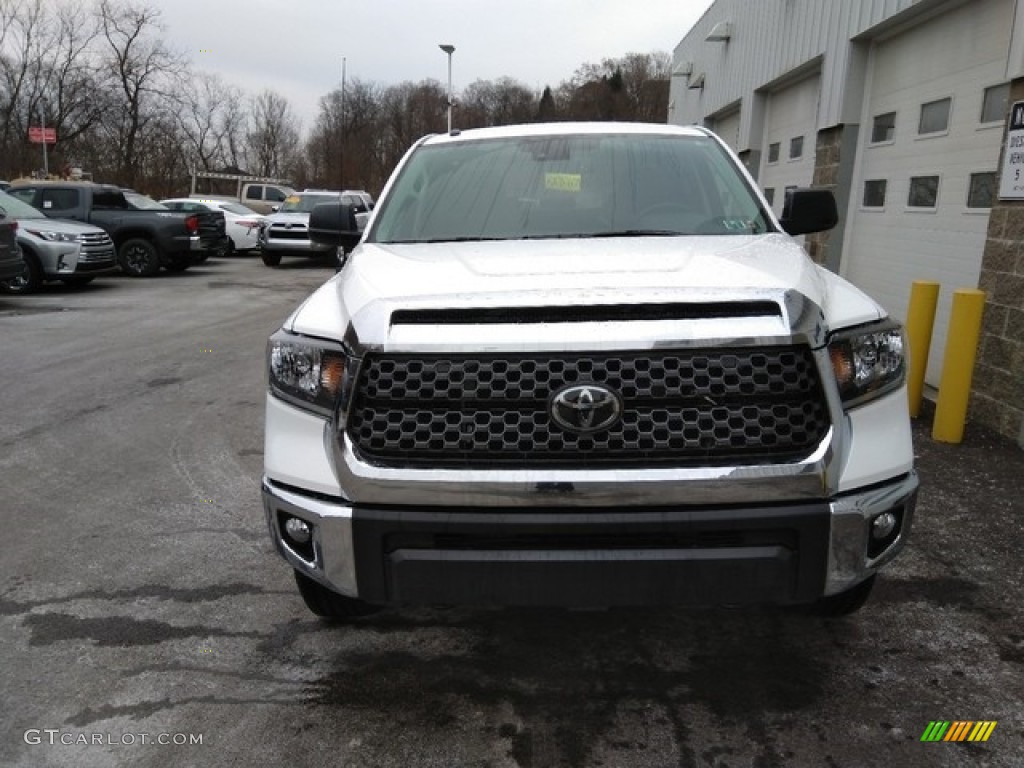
(584, 365)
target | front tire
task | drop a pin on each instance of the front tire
(138, 258)
(271, 258)
(328, 604)
(28, 281)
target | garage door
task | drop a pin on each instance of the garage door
(928, 150)
(728, 128)
(787, 158)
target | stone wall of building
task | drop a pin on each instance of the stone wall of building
(997, 399)
(834, 151)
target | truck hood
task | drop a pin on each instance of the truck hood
(380, 279)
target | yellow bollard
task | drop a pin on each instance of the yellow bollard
(924, 295)
(958, 367)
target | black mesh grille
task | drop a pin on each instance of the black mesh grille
(687, 408)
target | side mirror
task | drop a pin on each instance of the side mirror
(809, 210)
(334, 224)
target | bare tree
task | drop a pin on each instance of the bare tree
(345, 148)
(634, 87)
(272, 136)
(72, 84)
(409, 111)
(142, 69)
(502, 102)
(27, 38)
(212, 123)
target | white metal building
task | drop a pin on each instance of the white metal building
(899, 105)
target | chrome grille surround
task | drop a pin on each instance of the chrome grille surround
(96, 246)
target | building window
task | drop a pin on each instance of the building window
(982, 190)
(994, 103)
(796, 147)
(773, 152)
(785, 199)
(935, 116)
(874, 193)
(769, 195)
(884, 128)
(924, 192)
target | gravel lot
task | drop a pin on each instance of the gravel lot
(140, 600)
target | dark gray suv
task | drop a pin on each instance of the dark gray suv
(11, 263)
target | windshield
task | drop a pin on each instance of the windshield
(305, 203)
(143, 203)
(18, 209)
(568, 186)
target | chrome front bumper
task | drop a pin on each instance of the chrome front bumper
(833, 554)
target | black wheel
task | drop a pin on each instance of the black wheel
(229, 249)
(77, 280)
(138, 258)
(329, 604)
(29, 280)
(271, 258)
(844, 603)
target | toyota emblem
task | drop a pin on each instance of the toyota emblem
(585, 408)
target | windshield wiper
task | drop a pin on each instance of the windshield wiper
(637, 233)
(468, 239)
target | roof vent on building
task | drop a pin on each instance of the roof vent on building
(720, 33)
(683, 69)
(697, 81)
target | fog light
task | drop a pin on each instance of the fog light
(881, 527)
(298, 530)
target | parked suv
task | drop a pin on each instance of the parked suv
(56, 249)
(585, 365)
(11, 263)
(286, 232)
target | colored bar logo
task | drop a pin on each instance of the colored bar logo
(959, 730)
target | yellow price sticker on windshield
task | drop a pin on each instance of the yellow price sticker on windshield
(292, 199)
(564, 182)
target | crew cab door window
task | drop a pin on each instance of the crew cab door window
(59, 200)
(254, 192)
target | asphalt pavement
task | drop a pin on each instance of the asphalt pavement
(145, 620)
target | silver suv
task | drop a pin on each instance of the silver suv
(286, 232)
(56, 249)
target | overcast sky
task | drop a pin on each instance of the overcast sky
(295, 47)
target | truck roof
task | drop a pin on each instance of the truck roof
(567, 129)
(59, 183)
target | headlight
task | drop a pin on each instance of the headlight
(54, 237)
(306, 372)
(868, 361)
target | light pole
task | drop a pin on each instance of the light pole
(449, 49)
(341, 133)
(42, 119)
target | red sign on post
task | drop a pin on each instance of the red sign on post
(38, 135)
